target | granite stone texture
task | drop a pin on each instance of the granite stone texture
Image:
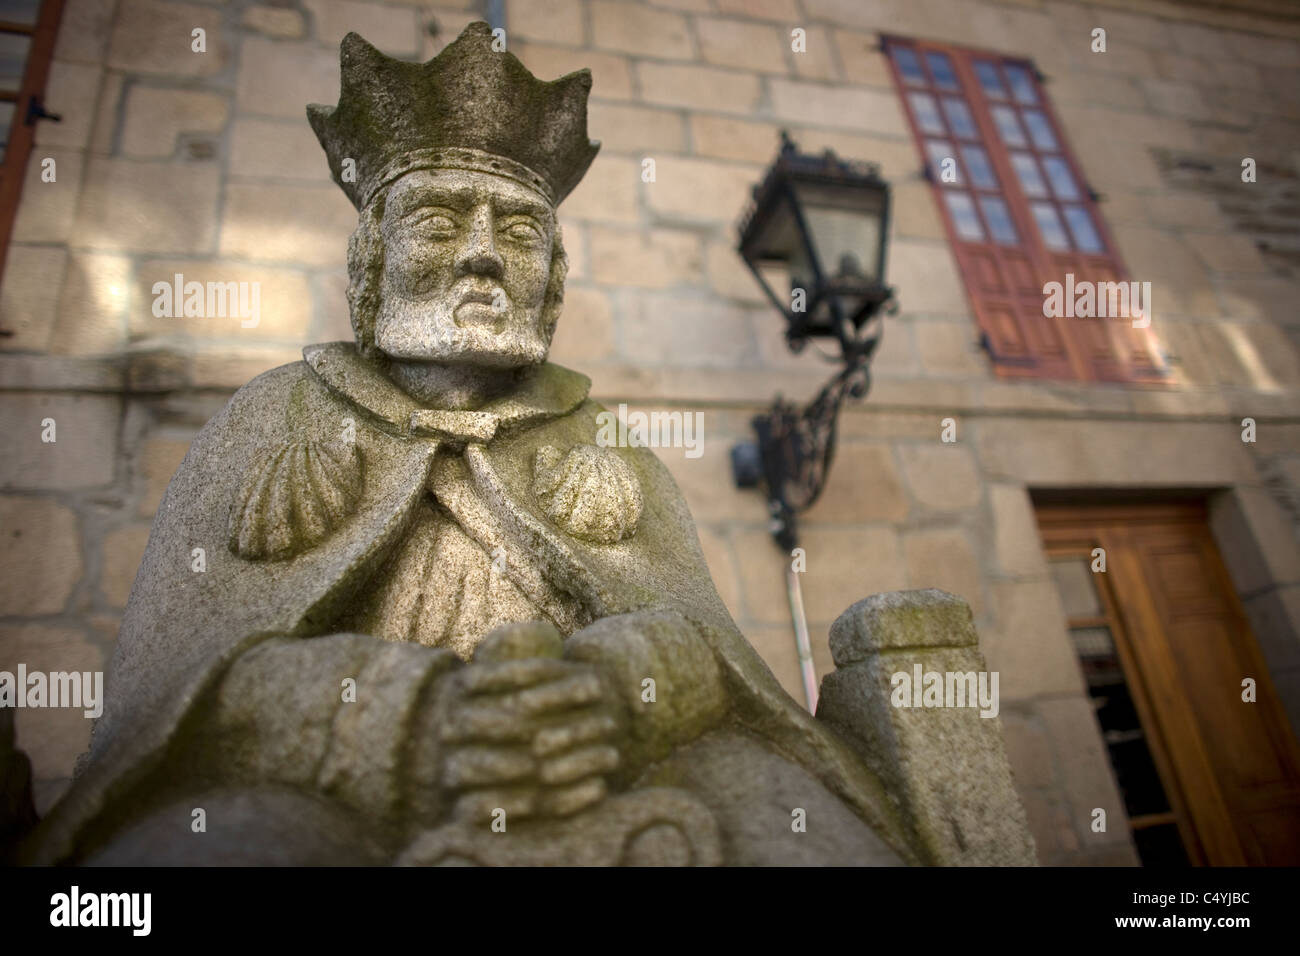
(403, 604)
(661, 313)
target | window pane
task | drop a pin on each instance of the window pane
(1027, 172)
(1093, 641)
(937, 150)
(20, 11)
(927, 113)
(6, 121)
(1022, 86)
(999, 221)
(13, 60)
(1004, 117)
(1085, 236)
(959, 118)
(1040, 130)
(1049, 226)
(909, 66)
(1059, 177)
(977, 165)
(989, 79)
(1105, 677)
(941, 70)
(963, 217)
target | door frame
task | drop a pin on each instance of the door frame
(1194, 790)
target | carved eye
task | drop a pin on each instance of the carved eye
(522, 231)
(432, 223)
(437, 225)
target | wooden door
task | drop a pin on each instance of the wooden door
(1230, 769)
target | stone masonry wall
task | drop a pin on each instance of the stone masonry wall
(202, 163)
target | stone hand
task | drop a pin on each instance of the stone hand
(532, 736)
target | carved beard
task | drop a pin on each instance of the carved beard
(422, 331)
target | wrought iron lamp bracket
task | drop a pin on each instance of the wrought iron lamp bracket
(794, 447)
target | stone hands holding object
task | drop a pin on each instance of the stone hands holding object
(526, 734)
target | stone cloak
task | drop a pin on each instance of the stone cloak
(183, 627)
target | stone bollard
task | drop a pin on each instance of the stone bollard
(937, 756)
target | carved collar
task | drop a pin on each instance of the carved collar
(553, 391)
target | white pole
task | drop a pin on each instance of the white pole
(801, 642)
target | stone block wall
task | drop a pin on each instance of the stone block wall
(171, 161)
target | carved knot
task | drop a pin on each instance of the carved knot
(292, 498)
(591, 492)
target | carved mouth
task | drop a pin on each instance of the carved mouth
(480, 308)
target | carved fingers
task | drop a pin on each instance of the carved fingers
(532, 737)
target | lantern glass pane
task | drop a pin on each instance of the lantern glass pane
(781, 256)
(845, 226)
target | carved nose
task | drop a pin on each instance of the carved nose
(478, 255)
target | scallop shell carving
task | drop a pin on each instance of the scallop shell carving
(590, 492)
(293, 498)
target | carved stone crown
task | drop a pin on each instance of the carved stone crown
(470, 107)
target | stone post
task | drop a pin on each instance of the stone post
(938, 757)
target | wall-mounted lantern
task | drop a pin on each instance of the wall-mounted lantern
(815, 238)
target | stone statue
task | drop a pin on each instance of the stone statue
(398, 604)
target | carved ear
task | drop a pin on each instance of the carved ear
(553, 302)
(365, 268)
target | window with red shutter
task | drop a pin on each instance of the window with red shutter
(27, 34)
(1018, 213)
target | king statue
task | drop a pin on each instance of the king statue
(400, 604)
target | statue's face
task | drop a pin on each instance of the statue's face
(467, 257)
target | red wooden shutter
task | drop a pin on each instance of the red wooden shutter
(1019, 214)
(26, 48)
